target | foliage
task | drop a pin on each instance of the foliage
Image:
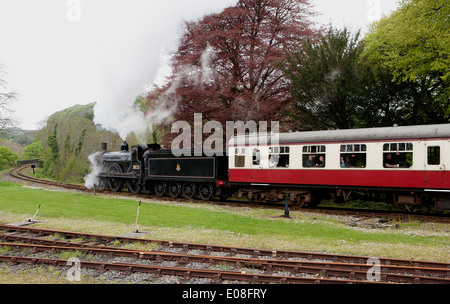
(70, 136)
(225, 66)
(339, 81)
(35, 150)
(413, 43)
(51, 164)
(66, 159)
(7, 158)
(327, 82)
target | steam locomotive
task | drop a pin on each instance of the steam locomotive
(403, 165)
(163, 173)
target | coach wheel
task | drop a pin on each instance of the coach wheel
(299, 201)
(160, 188)
(206, 191)
(174, 189)
(134, 186)
(188, 190)
(313, 204)
(115, 184)
(224, 194)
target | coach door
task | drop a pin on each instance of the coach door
(434, 165)
(255, 164)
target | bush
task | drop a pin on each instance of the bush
(7, 158)
(35, 150)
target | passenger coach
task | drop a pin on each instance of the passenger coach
(406, 165)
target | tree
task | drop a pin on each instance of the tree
(35, 150)
(226, 65)
(327, 82)
(413, 43)
(7, 158)
(7, 122)
(51, 164)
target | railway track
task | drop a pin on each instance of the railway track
(360, 214)
(17, 173)
(267, 266)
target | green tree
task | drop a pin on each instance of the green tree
(35, 150)
(51, 164)
(326, 82)
(7, 158)
(413, 43)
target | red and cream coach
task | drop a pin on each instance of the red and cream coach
(404, 165)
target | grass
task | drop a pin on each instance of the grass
(225, 225)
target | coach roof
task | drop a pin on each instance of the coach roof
(368, 134)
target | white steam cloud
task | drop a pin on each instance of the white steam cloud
(134, 54)
(91, 180)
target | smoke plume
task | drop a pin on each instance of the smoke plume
(132, 58)
(91, 180)
(135, 53)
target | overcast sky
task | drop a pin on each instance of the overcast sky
(61, 53)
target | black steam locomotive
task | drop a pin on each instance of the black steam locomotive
(150, 168)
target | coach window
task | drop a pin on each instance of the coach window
(255, 156)
(397, 155)
(279, 157)
(239, 157)
(313, 156)
(353, 156)
(434, 155)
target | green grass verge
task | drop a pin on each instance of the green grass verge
(226, 225)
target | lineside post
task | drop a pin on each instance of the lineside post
(32, 219)
(137, 216)
(286, 207)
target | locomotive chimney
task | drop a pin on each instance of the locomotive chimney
(104, 146)
(124, 146)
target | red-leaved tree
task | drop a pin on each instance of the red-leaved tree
(226, 66)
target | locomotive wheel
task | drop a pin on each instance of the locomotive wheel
(160, 188)
(115, 184)
(103, 184)
(134, 186)
(206, 191)
(188, 190)
(174, 189)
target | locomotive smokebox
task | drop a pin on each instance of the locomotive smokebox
(104, 146)
(124, 146)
